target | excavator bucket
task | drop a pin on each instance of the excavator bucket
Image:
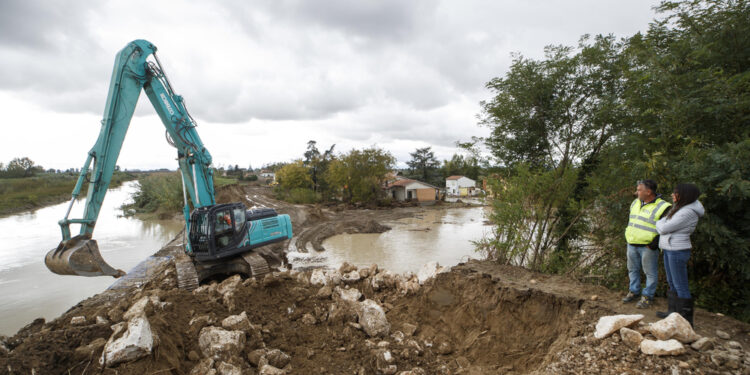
(79, 256)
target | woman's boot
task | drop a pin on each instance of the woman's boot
(685, 308)
(671, 301)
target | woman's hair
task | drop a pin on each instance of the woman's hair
(686, 194)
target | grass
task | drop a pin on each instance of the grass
(23, 194)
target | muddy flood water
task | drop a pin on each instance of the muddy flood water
(28, 290)
(435, 235)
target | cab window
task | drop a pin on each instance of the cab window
(239, 219)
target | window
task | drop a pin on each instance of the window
(223, 221)
(239, 219)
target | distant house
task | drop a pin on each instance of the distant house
(460, 186)
(407, 189)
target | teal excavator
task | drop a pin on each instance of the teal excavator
(219, 238)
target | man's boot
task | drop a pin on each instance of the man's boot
(671, 301)
(685, 308)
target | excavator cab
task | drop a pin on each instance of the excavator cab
(223, 230)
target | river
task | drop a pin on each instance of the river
(28, 290)
(442, 235)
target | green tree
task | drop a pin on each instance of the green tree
(424, 165)
(294, 175)
(360, 174)
(22, 167)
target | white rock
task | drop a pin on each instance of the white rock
(347, 267)
(703, 343)
(277, 358)
(204, 367)
(372, 318)
(217, 341)
(674, 326)
(137, 309)
(349, 295)
(609, 324)
(101, 320)
(428, 271)
(229, 284)
(381, 280)
(78, 320)
(136, 342)
(228, 369)
(631, 337)
(318, 277)
(334, 277)
(270, 370)
(237, 322)
(661, 347)
(350, 277)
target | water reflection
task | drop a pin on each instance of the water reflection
(28, 290)
(436, 235)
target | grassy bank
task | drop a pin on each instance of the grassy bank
(159, 195)
(23, 194)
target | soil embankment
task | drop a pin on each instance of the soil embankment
(476, 318)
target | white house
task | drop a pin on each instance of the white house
(460, 185)
(408, 189)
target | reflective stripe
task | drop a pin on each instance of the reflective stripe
(658, 206)
(633, 216)
(644, 219)
(643, 227)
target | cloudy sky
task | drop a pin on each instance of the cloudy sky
(263, 77)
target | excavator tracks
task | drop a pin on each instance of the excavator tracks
(258, 265)
(187, 276)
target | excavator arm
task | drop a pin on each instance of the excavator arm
(133, 72)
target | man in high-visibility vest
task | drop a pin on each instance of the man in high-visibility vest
(643, 242)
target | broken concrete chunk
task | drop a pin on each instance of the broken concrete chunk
(350, 277)
(277, 358)
(270, 370)
(136, 342)
(333, 277)
(140, 308)
(704, 343)
(347, 267)
(372, 318)
(78, 320)
(318, 277)
(229, 284)
(349, 295)
(631, 337)
(237, 322)
(609, 324)
(408, 329)
(428, 271)
(674, 326)
(215, 341)
(228, 369)
(722, 335)
(206, 366)
(661, 347)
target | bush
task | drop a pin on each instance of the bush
(297, 195)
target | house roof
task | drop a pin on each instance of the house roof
(454, 177)
(406, 181)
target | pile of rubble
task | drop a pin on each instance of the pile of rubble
(625, 343)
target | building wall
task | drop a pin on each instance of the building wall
(426, 195)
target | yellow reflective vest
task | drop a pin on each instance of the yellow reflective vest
(641, 228)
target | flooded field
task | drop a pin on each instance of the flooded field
(436, 235)
(28, 290)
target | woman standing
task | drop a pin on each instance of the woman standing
(675, 230)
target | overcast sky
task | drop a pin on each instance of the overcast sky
(263, 77)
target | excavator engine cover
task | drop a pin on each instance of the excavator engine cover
(79, 256)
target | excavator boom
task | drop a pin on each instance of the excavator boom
(133, 72)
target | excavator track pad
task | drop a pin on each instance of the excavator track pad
(187, 276)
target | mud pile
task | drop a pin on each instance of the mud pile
(478, 318)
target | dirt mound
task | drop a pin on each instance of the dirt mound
(477, 318)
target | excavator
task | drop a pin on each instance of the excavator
(218, 239)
